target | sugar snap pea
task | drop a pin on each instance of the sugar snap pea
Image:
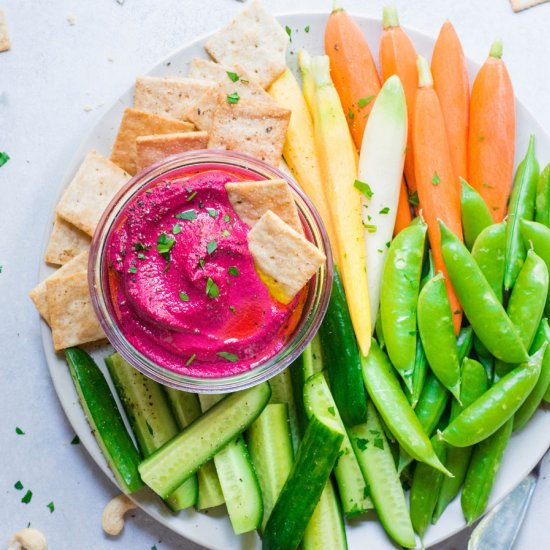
(390, 401)
(542, 203)
(488, 413)
(435, 324)
(522, 206)
(399, 297)
(483, 309)
(475, 214)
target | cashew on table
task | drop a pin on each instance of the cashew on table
(28, 539)
(113, 514)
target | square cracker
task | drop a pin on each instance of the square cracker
(138, 123)
(202, 112)
(252, 199)
(285, 259)
(39, 294)
(169, 97)
(66, 242)
(519, 5)
(91, 190)
(249, 126)
(5, 43)
(255, 40)
(72, 317)
(152, 149)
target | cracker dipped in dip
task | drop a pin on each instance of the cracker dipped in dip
(183, 283)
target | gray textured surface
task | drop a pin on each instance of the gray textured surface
(54, 72)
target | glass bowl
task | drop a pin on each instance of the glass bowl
(318, 290)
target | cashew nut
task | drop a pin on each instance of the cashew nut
(113, 514)
(28, 539)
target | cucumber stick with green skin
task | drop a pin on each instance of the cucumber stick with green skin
(283, 392)
(105, 420)
(151, 419)
(377, 464)
(350, 480)
(302, 491)
(186, 408)
(168, 467)
(341, 357)
(238, 480)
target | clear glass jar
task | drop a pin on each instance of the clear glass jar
(318, 292)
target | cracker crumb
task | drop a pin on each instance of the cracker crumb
(88, 108)
(71, 19)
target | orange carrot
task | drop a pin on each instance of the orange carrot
(438, 189)
(452, 86)
(403, 217)
(352, 69)
(492, 133)
(398, 56)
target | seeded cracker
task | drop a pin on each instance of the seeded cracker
(138, 123)
(519, 5)
(254, 40)
(285, 259)
(39, 294)
(5, 43)
(66, 242)
(169, 97)
(252, 199)
(252, 127)
(72, 317)
(152, 149)
(94, 185)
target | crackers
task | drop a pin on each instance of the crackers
(285, 259)
(94, 185)
(66, 242)
(5, 43)
(251, 127)
(72, 317)
(137, 123)
(519, 5)
(254, 40)
(152, 149)
(252, 199)
(169, 97)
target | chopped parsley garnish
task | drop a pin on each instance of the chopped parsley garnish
(212, 212)
(306, 29)
(374, 432)
(176, 229)
(226, 218)
(201, 263)
(481, 138)
(413, 198)
(141, 256)
(233, 271)
(364, 101)
(229, 356)
(370, 227)
(19, 431)
(187, 215)
(233, 76)
(457, 312)
(225, 233)
(164, 245)
(75, 440)
(4, 157)
(436, 180)
(361, 443)
(51, 506)
(18, 485)
(351, 116)
(332, 411)
(149, 191)
(388, 244)
(191, 359)
(140, 246)
(149, 428)
(132, 269)
(27, 497)
(212, 290)
(384, 210)
(184, 297)
(488, 186)
(233, 98)
(211, 246)
(232, 308)
(289, 32)
(363, 188)
(379, 443)
(191, 196)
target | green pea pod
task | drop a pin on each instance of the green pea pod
(474, 384)
(522, 206)
(425, 489)
(530, 405)
(399, 297)
(435, 324)
(390, 401)
(379, 331)
(537, 236)
(488, 413)
(475, 214)
(483, 309)
(526, 304)
(482, 471)
(542, 204)
(489, 253)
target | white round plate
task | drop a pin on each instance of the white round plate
(214, 530)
